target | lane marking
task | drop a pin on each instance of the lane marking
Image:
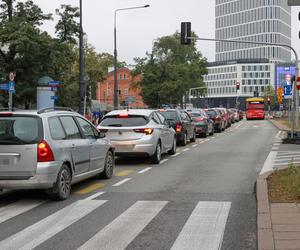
(17, 208)
(195, 145)
(287, 158)
(204, 228)
(94, 196)
(281, 153)
(268, 165)
(121, 182)
(163, 161)
(275, 148)
(207, 140)
(276, 144)
(124, 173)
(213, 137)
(175, 155)
(286, 163)
(144, 170)
(238, 126)
(121, 231)
(43, 230)
(186, 149)
(90, 188)
(201, 142)
(278, 134)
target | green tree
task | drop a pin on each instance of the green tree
(170, 71)
(271, 92)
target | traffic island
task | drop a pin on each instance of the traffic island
(278, 209)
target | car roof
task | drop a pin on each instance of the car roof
(36, 112)
(142, 112)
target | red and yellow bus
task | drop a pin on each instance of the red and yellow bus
(255, 108)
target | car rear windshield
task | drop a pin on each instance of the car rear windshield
(127, 121)
(19, 130)
(169, 115)
(212, 112)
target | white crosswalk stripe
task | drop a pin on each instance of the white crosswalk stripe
(119, 233)
(17, 208)
(41, 231)
(285, 158)
(204, 228)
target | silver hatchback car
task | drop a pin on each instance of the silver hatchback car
(51, 149)
(139, 132)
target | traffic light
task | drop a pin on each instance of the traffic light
(186, 33)
(237, 85)
(269, 101)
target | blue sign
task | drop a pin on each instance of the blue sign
(54, 83)
(54, 98)
(54, 89)
(11, 87)
(4, 86)
(287, 90)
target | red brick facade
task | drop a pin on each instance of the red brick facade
(105, 89)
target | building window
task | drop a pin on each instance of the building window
(126, 92)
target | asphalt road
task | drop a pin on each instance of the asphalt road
(201, 198)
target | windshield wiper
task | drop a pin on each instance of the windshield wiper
(115, 125)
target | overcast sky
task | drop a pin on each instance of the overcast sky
(138, 28)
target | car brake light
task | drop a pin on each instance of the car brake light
(147, 131)
(178, 127)
(44, 152)
(123, 115)
(218, 118)
(6, 114)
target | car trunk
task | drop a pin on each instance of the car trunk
(123, 134)
(19, 138)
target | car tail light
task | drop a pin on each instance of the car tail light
(147, 131)
(101, 130)
(178, 127)
(44, 153)
(218, 118)
(123, 115)
(6, 114)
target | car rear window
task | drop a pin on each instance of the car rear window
(169, 115)
(212, 112)
(19, 130)
(128, 121)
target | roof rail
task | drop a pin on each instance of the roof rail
(45, 110)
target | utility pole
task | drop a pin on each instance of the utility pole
(81, 66)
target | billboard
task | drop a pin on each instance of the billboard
(284, 74)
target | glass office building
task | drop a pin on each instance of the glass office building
(253, 20)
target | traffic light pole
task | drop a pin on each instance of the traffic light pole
(295, 95)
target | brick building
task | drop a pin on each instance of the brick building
(128, 96)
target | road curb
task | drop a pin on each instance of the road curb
(265, 238)
(278, 125)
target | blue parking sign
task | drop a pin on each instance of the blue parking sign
(287, 90)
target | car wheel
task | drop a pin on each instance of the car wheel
(108, 171)
(193, 139)
(155, 159)
(62, 187)
(184, 140)
(173, 149)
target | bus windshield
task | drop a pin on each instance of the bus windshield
(255, 105)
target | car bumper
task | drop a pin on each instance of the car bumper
(141, 147)
(201, 129)
(45, 177)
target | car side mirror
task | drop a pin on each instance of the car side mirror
(100, 135)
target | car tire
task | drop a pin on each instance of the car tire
(108, 171)
(184, 140)
(155, 159)
(173, 149)
(62, 187)
(193, 139)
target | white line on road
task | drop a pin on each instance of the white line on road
(144, 170)
(41, 231)
(276, 144)
(205, 227)
(17, 208)
(286, 163)
(186, 149)
(163, 161)
(195, 145)
(282, 153)
(268, 165)
(238, 126)
(207, 140)
(275, 148)
(175, 155)
(287, 159)
(201, 142)
(121, 231)
(213, 137)
(121, 182)
(93, 196)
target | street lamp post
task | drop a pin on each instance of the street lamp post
(116, 87)
(81, 66)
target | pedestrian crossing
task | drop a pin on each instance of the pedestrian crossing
(286, 158)
(204, 228)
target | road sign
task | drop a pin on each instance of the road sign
(54, 89)
(11, 87)
(4, 86)
(287, 91)
(293, 2)
(279, 94)
(54, 98)
(54, 83)
(130, 99)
